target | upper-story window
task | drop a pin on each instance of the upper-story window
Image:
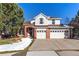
(41, 20)
(53, 21)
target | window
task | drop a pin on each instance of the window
(37, 31)
(50, 31)
(55, 31)
(62, 31)
(53, 21)
(41, 20)
(66, 31)
(42, 30)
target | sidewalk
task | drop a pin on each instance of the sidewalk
(41, 53)
(16, 46)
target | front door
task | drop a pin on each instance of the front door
(30, 31)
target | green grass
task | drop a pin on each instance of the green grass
(7, 41)
(8, 52)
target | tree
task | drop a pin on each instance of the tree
(75, 24)
(11, 18)
(67, 21)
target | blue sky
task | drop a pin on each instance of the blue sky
(61, 10)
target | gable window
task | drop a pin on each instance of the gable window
(53, 21)
(41, 20)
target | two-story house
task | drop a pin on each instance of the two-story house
(46, 27)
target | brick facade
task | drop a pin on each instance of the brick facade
(26, 29)
(34, 34)
(47, 34)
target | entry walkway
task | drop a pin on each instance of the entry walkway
(16, 46)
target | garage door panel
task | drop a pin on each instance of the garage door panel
(41, 35)
(57, 34)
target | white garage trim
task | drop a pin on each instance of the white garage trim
(41, 33)
(58, 33)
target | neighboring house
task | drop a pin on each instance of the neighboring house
(45, 27)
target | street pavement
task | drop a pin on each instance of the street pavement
(41, 53)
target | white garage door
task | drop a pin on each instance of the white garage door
(41, 34)
(57, 34)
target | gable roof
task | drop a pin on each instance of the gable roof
(48, 17)
(40, 14)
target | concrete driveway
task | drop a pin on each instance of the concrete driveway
(55, 44)
(48, 47)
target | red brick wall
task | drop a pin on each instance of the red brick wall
(25, 31)
(47, 34)
(34, 34)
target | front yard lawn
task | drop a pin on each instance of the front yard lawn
(8, 41)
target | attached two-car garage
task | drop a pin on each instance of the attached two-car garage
(53, 33)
